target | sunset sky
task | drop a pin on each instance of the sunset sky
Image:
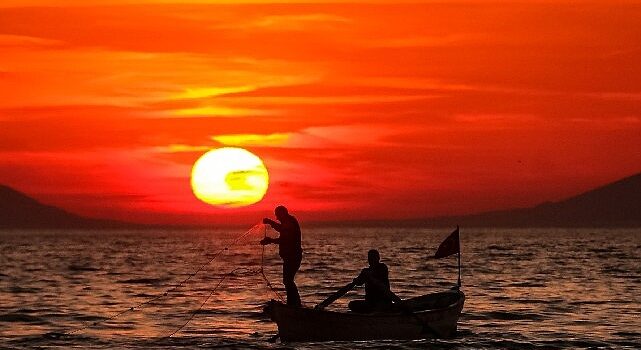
(359, 110)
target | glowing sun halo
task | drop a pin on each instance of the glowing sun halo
(229, 177)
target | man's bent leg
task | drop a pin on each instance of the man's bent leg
(290, 267)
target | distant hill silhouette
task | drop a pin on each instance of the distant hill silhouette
(20, 211)
(617, 204)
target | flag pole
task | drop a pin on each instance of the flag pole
(459, 257)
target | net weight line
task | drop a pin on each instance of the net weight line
(249, 272)
(191, 316)
(262, 271)
(173, 288)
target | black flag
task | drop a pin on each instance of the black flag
(449, 246)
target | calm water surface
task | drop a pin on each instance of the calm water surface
(526, 289)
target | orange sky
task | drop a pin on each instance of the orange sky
(360, 110)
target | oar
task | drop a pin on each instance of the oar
(332, 298)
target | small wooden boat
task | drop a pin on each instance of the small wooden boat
(428, 316)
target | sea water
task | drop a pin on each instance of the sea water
(525, 288)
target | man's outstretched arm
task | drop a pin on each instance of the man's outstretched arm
(277, 226)
(362, 277)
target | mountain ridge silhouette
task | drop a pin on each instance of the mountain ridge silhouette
(18, 210)
(616, 204)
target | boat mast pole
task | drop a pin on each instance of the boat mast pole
(459, 256)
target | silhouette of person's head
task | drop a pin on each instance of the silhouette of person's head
(373, 257)
(281, 212)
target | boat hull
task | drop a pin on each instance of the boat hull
(304, 324)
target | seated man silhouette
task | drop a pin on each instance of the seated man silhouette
(378, 296)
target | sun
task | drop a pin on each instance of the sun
(229, 177)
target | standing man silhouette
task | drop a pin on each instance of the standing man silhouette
(289, 249)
